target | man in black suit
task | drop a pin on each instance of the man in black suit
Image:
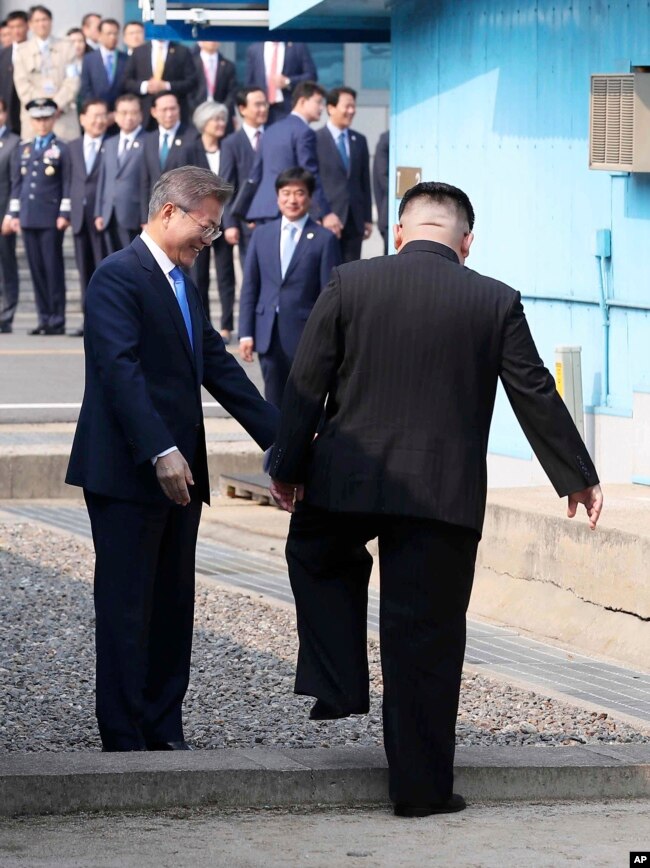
(140, 455)
(102, 71)
(170, 146)
(380, 185)
(216, 79)
(401, 454)
(237, 155)
(159, 67)
(86, 156)
(17, 25)
(276, 68)
(8, 264)
(117, 201)
(344, 165)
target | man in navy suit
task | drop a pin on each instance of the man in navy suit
(237, 156)
(102, 72)
(17, 25)
(344, 164)
(216, 79)
(159, 67)
(170, 146)
(9, 286)
(140, 455)
(276, 68)
(86, 156)
(117, 202)
(291, 142)
(380, 185)
(289, 261)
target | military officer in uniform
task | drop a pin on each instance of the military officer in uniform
(39, 208)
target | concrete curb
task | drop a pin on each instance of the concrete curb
(61, 783)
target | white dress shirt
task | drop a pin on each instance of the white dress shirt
(250, 132)
(162, 132)
(214, 160)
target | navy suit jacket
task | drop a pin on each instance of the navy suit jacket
(290, 142)
(94, 80)
(40, 189)
(264, 289)
(181, 153)
(143, 382)
(179, 71)
(225, 86)
(118, 187)
(83, 185)
(298, 66)
(8, 89)
(348, 192)
(237, 158)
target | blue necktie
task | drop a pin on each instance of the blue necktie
(164, 151)
(343, 152)
(289, 247)
(109, 67)
(179, 285)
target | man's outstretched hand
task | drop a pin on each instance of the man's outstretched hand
(286, 494)
(592, 498)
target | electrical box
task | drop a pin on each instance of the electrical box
(568, 379)
(619, 122)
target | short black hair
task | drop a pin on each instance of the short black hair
(241, 97)
(161, 94)
(18, 14)
(296, 175)
(437, 191)
(88, 16)
(93, 101)
(132, 24)
(305, 89)
(3, 23)
(334, 95)
(127, 97)
(34, 9)
(109, 21)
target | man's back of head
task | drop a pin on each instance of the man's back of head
(435, 211)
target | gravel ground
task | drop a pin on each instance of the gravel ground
(240, 693)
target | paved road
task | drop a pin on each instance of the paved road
(49, 371)
(598, 835)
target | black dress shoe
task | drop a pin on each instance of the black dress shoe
(5, 328)
(169, 745)
(321, 710)
(39, 330)
(54, 330)
(408, 809)
(76, 333)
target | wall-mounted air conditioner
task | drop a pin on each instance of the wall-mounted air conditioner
(619, 122)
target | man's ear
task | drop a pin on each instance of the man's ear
(466, 243)
(166, 211)
(398, 236)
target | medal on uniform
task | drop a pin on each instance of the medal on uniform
(50, 170)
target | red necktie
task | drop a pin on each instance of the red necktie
(273, 71)
(210, 81)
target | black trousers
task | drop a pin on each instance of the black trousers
(350, 242)
(225, 279)
(426, 575)
(44, 249)
(89, 250)
(275, 365)
(144, 607)
(117, 237)
(9, 284)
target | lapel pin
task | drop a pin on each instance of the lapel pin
(178, 143)
(135, 145)
(2, 144)
(310, 235)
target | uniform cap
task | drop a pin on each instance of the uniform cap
(43, 107)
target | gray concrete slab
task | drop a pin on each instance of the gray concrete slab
(43, 783)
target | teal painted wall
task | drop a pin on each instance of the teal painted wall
(494, 97)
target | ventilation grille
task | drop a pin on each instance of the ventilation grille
(618, 123)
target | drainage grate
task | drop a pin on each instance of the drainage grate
(489, 648)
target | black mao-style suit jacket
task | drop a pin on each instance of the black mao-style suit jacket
(407, 434)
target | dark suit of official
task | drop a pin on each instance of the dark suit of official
(8, 263)
(181, 153)
(225, 86)
(95, 83)
(237, 157)
(347, 188)
(143, 396)
(290, 142)
(8, 89)
(89, 245)
(273, 309)
(380, 185)
(298, 66)
(402, 455)
(179, 71)
(118, 192)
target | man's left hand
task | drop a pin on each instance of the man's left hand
(286, 494)
(592, 499)
(62, 223)
(367, 230)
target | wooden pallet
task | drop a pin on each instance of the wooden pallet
(249, 486)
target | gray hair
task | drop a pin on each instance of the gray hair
(206, 111)
(186, 187)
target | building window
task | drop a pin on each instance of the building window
(375, 66)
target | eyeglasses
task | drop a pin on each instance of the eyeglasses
(208, 233)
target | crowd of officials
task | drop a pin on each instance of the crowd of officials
(87, 128)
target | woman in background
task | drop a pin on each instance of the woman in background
(210, 119)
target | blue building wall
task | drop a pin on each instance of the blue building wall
(494, 97)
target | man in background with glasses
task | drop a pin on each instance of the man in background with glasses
(140, 455)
